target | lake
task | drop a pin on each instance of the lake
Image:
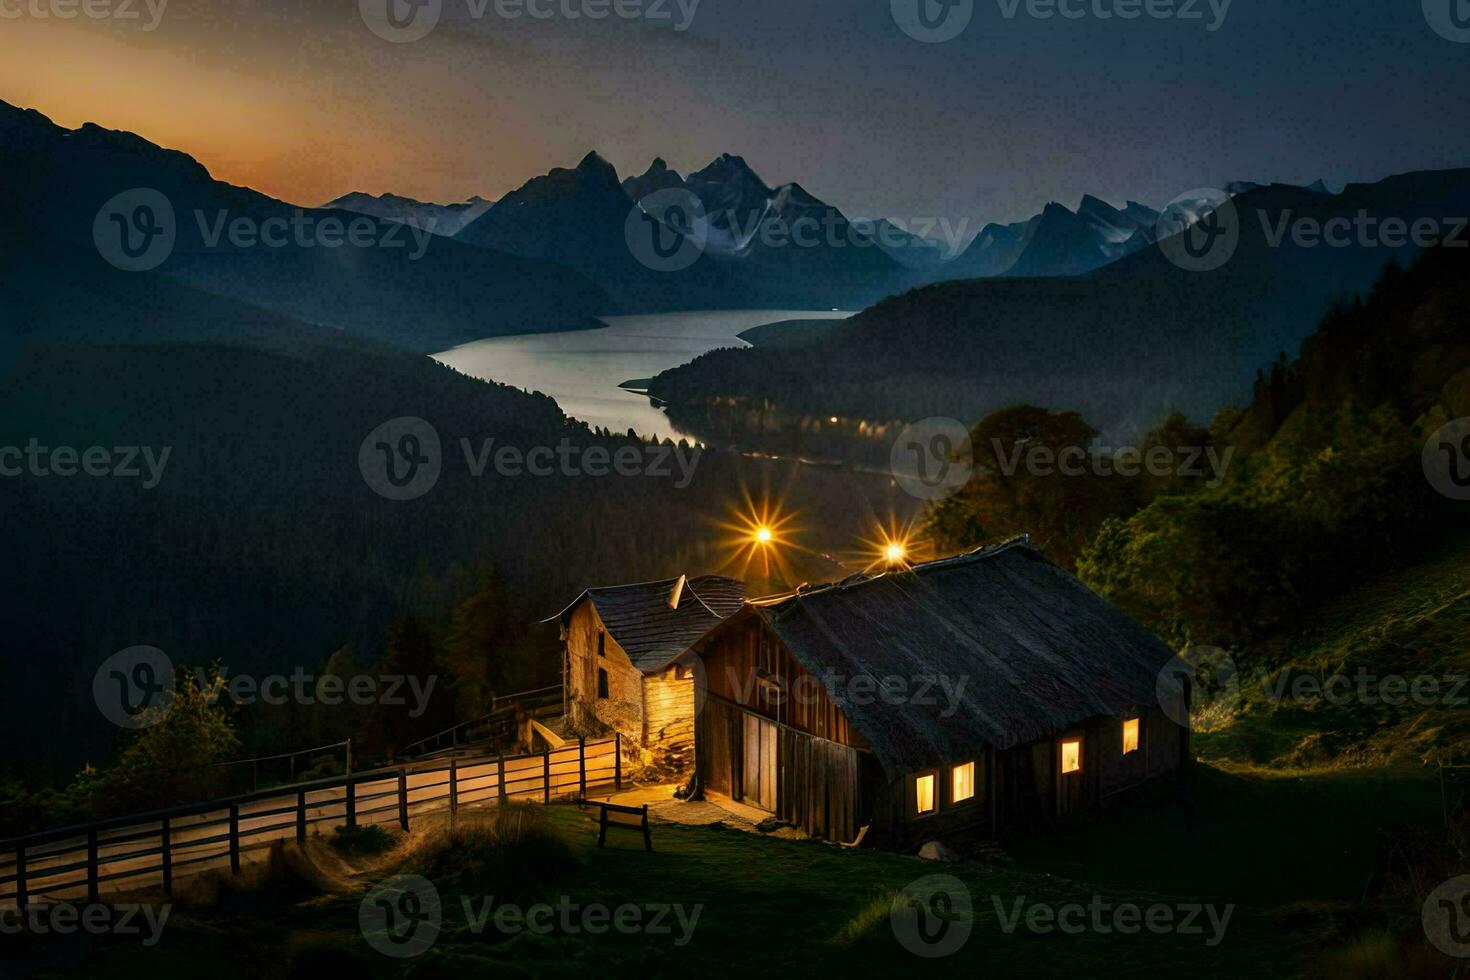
(582, 369)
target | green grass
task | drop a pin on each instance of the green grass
(1270, 838)
(1302, 858)
(814, 908)
(1408, 624)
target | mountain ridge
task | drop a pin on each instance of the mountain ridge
(424, 296)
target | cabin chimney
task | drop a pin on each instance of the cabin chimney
(678, 592)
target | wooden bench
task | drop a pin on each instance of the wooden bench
(617, 809)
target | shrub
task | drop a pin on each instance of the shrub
(370, 839)
(510, 851)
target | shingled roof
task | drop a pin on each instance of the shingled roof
(1037, 649)
(652, 634)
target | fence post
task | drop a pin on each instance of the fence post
(351, 802)
(617, 760)
(647, 831)
(94, 883)
(301, 816)
(546, 773)
(20, 877)
(168, 856)
(500, 776)
(235, 838)
(403, 799)
(453, 784)
(582, 765)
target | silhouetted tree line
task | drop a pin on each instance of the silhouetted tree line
(1325, 485)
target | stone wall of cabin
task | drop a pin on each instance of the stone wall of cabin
(622, 709)
(654, 713)
(668, 718)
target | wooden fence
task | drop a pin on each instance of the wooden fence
(154, 849)
(499, 725)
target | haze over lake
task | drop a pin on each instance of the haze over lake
(582, 369)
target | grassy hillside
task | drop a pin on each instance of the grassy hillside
(820, 909)
(1411, 624)
(1316, 899)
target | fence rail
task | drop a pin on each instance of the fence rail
(499, 723)
(607, 810)
(154, 849)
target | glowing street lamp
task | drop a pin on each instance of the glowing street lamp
(894, 546)
(762, 534)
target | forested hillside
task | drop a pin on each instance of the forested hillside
(1125, 345)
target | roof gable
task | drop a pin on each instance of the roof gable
(651, 633)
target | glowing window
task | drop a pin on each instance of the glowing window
(1071, 755)
(962, 782)
(924, 801)
(1130, 736)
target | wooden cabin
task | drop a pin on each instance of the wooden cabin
(962, 698)
(620, 648)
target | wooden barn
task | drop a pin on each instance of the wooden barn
(962, 698)
(620, 648)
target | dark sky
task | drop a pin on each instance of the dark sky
(300, 99)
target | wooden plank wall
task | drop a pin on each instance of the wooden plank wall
(818, 789)
(733, 660)
(717, 746)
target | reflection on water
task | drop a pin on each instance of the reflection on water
(583, 368)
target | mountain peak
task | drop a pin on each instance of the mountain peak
(657, 177)
(728, 168)
(594, 161)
